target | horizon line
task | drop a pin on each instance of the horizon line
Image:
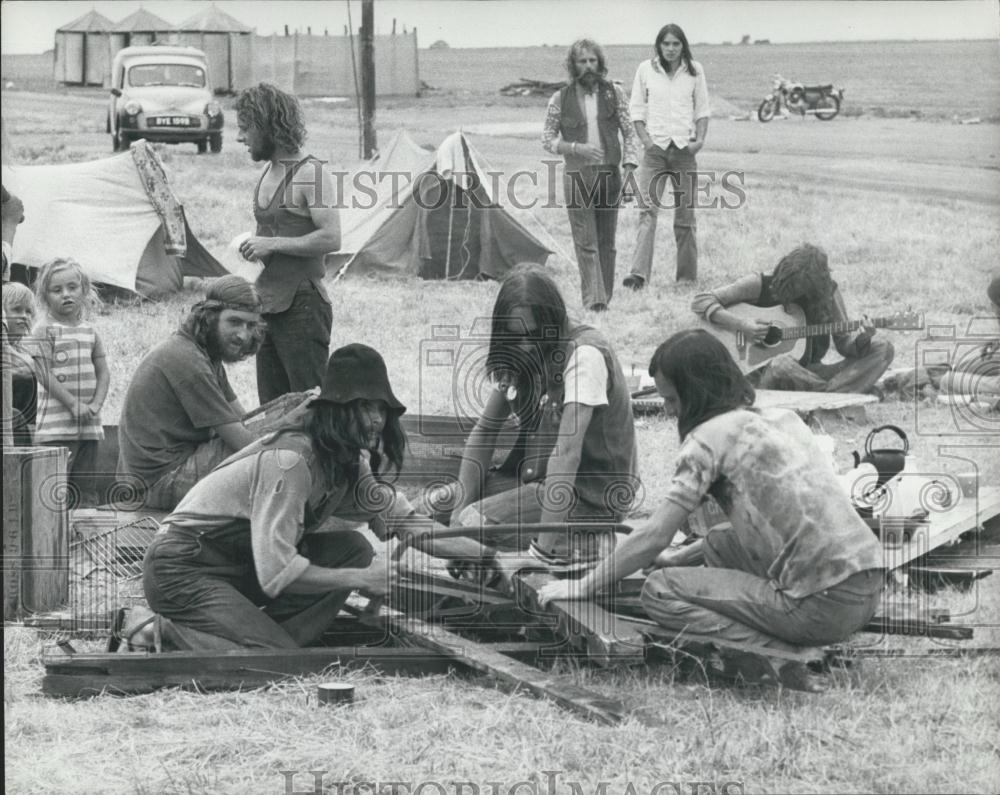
(647, 44)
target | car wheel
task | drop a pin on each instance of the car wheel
(122, 142)
(202, 146)
(215, 141)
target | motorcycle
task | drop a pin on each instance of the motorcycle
(821, 101)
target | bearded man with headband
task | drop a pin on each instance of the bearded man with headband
(181, 418)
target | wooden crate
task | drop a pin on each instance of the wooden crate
(35, 530)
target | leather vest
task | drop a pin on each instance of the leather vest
(573, 121)
(607, 477)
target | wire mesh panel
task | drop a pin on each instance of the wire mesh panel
(106, 572)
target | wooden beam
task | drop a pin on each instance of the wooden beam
(891, 625)
(82, 675)
(506, 672)
(605, 638)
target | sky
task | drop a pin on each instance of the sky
(28, 26)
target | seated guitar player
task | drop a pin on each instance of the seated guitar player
(802, 277)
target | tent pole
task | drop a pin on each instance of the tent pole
(447, 256)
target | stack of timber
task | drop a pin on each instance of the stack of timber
(527, 87)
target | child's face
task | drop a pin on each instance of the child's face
(19, 319)
(65, 294)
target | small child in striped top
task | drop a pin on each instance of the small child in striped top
(73, 375)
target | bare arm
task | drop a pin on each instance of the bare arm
(479, 449)
(234, 434)
(320, 199)
(638, 550)
(711, 305)
(564, 462)
(103, 377)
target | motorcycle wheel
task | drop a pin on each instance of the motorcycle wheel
(767, 110)
(827, 107)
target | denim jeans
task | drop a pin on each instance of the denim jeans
(293, 355)
(848, 375)
(657, 168)
(592, 195)
(207, 594)
(723, 600)
(172, 487)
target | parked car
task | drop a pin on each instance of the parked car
(163, 94)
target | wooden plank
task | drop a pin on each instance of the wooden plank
(803, 403)
(35, 520)
(13, 521)
(82, 675)
(891, 625)
(945, 526)
(508, 673)
(605, 638)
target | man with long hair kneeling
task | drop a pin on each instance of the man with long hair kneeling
(797, 567)
(240, 562)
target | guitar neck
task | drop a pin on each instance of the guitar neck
(798, 332)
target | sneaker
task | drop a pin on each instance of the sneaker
(634, 282)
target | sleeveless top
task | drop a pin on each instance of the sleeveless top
(68, 352)
(283, 273)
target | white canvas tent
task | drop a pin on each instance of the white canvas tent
(440, 220)
(116, 216)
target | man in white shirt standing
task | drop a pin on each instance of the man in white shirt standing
(669, 108)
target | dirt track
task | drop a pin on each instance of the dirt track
(935, 159)
(898, 156)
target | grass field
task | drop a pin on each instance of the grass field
(925, 725)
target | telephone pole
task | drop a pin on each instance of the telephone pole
(368, 137)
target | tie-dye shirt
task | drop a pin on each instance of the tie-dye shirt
(794, 521)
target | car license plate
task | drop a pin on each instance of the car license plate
(173, 121)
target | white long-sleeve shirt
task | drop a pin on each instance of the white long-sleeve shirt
(669, 105)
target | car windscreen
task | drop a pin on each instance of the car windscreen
(166, 74)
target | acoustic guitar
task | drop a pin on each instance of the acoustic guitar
(787, 331)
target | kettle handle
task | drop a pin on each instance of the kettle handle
(895, 429)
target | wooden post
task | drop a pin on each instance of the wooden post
(286, 30)
(369, 143)
(35, 530)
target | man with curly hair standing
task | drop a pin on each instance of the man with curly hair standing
(297, 225)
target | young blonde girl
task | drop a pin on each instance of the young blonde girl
(73, 374)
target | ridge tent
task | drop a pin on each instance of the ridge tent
(443, 221)
(116, 216)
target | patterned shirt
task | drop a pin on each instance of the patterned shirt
(551, 136)
(67, 354)
(794, 521)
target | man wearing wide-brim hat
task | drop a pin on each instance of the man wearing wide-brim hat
(240, 562)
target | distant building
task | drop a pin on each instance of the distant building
(440, 44)
(81, 55)
(224, 41)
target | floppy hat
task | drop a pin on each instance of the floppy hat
(357, 372)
